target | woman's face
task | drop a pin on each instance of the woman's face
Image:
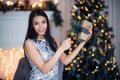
(40, 25)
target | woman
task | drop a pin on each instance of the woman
(43, 51)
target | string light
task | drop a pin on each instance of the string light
(73, 14)
(75, 7)
(79, 17)
(8, 62)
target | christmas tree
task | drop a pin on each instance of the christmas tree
(96, 60)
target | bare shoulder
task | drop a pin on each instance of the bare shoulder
(28, 42)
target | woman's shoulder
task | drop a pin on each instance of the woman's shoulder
(28, 42)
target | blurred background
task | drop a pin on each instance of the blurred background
(98, 60)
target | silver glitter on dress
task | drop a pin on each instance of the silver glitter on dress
(46, 53)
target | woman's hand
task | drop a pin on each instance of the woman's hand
(66, 44)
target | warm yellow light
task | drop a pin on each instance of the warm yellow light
(81, 2)
(75, 45)
(72, 41)
(106, 33)
(79, 17)
(92, 1)
(105, 41)
(84, 49)
(78, 69)
(72, 33)
(93, 72)
(40, 4)
(70, 49)
(101, 35)
(86, 17)
(75, 7)
(1, 0)
(86, 74)
(100, 17)
(89, 15)
(74, 61)
(86, 8)
(93, 54)
(97, 67)
(34, 5)
(81, 61)
(71, 64)
(82, 7)
(94, 21)
(69, 52)
(8, 3)
(107, 62)
(19, 2)
(102, 31)
(73, 14)
(78, 58)
(8, 62)
(78, 65)
(96, 6)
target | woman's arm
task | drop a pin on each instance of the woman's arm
(45, 66)
(66, 59)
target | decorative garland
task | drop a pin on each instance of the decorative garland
(46, 5)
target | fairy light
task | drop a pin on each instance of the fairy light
(89, 15)
(78, 65)
(34, 5)
(102, 31)
(72, 33)
(71, 64)
(78, 58)
(79, 17)
(105, 41)
(86, 74)
(8, 3)
(86, 8)
(40, 5)
(69, 52)
(8, 62)
(84, 49)
(106, 33)
(92, 1)
(96, 6)
(75, 45)
(74, 61)
(75, 7)
(73, 14)
(94, 25)
(100, 17)
(82, 7)
(86, 17)
(93, 55)
(101, 35)
(81, 2)
(72, 41)
(1, 0)
(78, 70)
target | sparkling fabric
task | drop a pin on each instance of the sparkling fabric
(46, 53)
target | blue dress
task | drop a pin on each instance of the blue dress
(45, 51)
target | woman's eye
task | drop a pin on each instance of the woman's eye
(43, 21)
(35, 23)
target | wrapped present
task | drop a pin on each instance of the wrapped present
(84, 30)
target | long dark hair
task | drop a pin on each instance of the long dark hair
(31, 34)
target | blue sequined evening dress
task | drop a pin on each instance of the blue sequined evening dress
(45, 51)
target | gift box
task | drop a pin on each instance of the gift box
(84, 30)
